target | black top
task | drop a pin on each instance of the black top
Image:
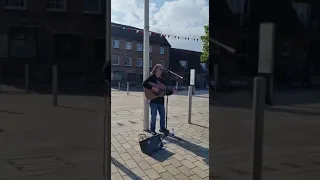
(156, 80)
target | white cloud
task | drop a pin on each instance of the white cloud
(184, 18)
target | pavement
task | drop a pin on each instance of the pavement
(65, 142)
(40, 141)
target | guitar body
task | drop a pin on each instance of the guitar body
(150, 94)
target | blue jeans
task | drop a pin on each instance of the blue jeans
(155, 108)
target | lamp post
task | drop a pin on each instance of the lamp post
(146, 63)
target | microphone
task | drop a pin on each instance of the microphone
(164, 70)
(167, 71)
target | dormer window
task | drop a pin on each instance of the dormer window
(303, 11)
(184, 64)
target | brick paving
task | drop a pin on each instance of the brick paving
(75, 153)
(70, 145)
(185, 159)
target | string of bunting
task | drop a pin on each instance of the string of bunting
(158, 34)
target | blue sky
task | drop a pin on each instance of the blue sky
(184, 18)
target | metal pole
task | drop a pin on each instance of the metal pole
(146, 63)
(55, 85)
(26, 68)
(177, 85)
(127, 88)
(190, 104)
(119, 86)
(259, 93)
(0, 79)
(107, 119)
(216, 77)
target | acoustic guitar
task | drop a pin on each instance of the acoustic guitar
(150, 94)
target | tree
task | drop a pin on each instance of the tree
(205, 49)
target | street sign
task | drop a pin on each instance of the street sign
(266, 48)
(192, 76)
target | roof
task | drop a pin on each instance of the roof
(191, 57)
(117, 30)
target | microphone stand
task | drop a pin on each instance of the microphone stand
(167, 103)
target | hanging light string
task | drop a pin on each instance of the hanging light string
(138, 31)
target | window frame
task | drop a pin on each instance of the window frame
(64, 9)
(141, 62)
(130, 60)
(114, 45)
(162, 52)
(13, 7)
(112, 58)
(98, 11)
(139, 45)
(126, 47)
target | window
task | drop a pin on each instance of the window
(115, 60)
(115, 43)
(236, 6)
(57, 5)
(184, 64)
(117, 75)
(303, 11)
(139, 47)
(128, 45)
(204, 66)
(128, 61)
(161, 50)
(132, 77)
(150, 62)
(21, 44)
(161, 62)
(16, 4)
(139, 62)
(92, 6)
(150, 49)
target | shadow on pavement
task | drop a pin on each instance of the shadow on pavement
(280, 98)
(11, 112)
(294, 111)
(200, 125)
(77, 109)
(124, 169)
(66, 87)
(162, 155)
(194, 148)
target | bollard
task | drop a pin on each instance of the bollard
(26, 70)
(216, 77)
(55, 85)
(127, 88)
(119, 86)
(190, 104)
(259, 93)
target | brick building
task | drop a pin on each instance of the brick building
(69, 33)
(181, 61)
(236, 23)
(127, 54)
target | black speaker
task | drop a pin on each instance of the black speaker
(149, 145)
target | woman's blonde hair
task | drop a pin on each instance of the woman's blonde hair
(154, 69)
